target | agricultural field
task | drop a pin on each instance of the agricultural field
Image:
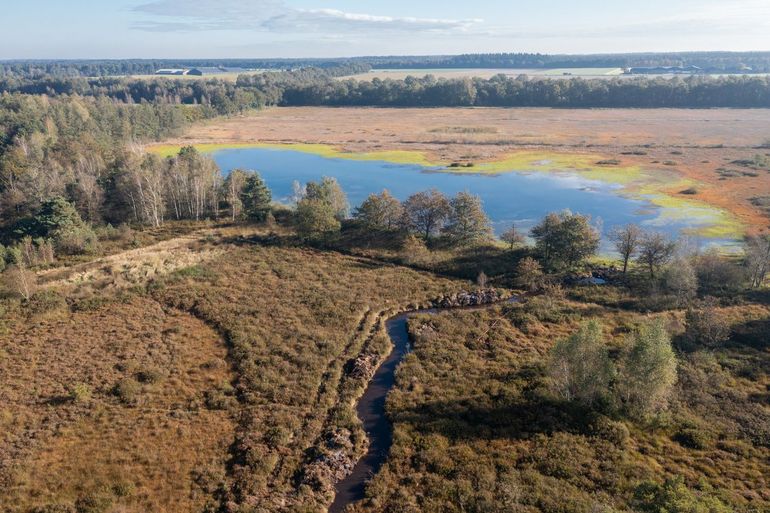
(228, 77)
(486, 73)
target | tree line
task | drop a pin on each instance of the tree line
(322, 87)
(712, 62)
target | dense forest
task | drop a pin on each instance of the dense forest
(710, 62)
(314, 86)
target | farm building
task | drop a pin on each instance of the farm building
(201, 71)
(171, 72)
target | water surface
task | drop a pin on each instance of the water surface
(522, 197)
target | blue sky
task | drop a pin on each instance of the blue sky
(332, 28)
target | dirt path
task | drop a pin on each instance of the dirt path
(133, 266)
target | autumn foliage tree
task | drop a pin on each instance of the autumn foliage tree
(467, 224)
(380, 212)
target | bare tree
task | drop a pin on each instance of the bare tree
(512, 237)
(655, 250)
(626, 240)
(679, 279)
(146, 189)
(20, 280)
(233, 189)
(88, 193)
(757, 259)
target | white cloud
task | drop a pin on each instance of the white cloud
(276, 16)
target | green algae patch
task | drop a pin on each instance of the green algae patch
(708, 221)
(404, 157)
(586, 165)
(653, 186)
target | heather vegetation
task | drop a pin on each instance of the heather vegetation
(491, 415)
(172, 339)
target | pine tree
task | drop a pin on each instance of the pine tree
(256, 198)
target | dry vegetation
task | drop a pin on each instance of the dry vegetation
(295, 318)
(703, 145)
(205, 371)
(476, 428)
(105, 404)
(227, 380)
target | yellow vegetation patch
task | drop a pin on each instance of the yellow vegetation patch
(323, 150)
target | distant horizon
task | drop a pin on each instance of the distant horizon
(381, 56)
(305, 29)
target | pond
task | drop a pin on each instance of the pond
(518, 197)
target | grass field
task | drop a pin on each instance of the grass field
(229, 77)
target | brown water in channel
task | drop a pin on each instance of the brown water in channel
(371, 410)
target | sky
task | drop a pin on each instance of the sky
(75, 29)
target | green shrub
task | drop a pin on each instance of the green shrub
(613, 431)
(127, 390)
(77, 241)
(93, 503)
(80, 393)
(88, 304)
(523, 320)
(45, 301)
(674, 496)
(694, 438)
(123, 489)
(706, 326)
(221, 398)
(149, 376)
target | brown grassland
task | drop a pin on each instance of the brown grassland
(230, 382)
(703, 145)
(476, 428)
(66, 434)
(194, 386)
